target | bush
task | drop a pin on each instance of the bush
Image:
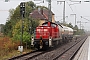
(7, 45)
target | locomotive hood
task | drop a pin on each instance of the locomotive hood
(42, 32)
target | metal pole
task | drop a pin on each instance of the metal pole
(75, 19)
(49, 11)
(80, 25)
(64, 13)
(22, 29)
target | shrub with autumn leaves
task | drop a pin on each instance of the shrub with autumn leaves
(7, 45)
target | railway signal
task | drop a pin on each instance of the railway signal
(22, 9)
(22, 13)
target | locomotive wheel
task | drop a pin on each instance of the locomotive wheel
(45, 48)
(38, 48)
(63, 40)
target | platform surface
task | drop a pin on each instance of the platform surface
(84, 52)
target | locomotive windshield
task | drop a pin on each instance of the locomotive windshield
(45, 24)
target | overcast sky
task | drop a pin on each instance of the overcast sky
(80, 9)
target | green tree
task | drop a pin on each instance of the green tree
(1, 27)
(8, 29)
(42, 7)
(13, 25)
(70, 25)
(14, 17)
(75, 28)
(26, 33)
(33, 24)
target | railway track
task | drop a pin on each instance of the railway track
(65, 52)
(31, 55)
(69, 53)
(28, 55)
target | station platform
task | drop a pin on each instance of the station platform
(84, 52)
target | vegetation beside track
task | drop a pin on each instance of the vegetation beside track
(9, 48)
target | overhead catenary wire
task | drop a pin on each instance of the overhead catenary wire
(85, 18)
(73, 12)
(70, 7)
(4, 10)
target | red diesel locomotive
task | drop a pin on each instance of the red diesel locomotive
(51, 34)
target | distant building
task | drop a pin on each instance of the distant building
(42, 15)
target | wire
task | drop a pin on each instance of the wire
(70, 7)
(4, 10)
(85, 18)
